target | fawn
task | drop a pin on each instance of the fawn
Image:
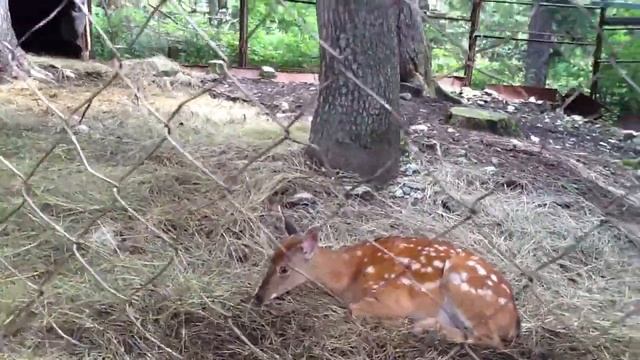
(437, 285)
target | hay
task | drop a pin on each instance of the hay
(197, 308)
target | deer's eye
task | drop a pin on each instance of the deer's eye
(283, 270)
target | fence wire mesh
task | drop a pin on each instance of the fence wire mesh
(70, 278)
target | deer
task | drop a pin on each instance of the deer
(439, 286)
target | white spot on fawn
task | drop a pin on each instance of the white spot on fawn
(502, 301)
(494, 277)
(429, 286)
(370, 269)
(415, 266)
(428, 269)
(465, 287)
(359, 253)
(481, 270)
(455, 278)
(438, 263)
(405, 281)
(504, 286)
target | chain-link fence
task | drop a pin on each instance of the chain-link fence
(133, 228)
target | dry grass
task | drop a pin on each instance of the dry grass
(197, 307)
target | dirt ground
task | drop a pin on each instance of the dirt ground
(552, 187)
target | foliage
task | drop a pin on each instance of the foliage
(287, 39)
(283, 40)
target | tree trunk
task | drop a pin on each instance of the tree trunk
(352, 131)
(12, 58)
(539, 53)
(415, 54)
(412, 46)
(213, 10)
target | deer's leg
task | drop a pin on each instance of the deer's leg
(423, 325)
(371, 307)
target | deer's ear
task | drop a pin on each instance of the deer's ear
(310, 242)
(289, 227)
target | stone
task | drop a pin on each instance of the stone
(216, 67)
(412, 185)
(633, 164)
(267, 72)
(628, 135)
(419, 128)
(398, 193)
(363, 192)
(158, 66)
(411, 169)
(301, 199)
(483, 120)
(405, 96)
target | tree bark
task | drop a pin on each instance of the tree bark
(213, 10)
(413, 47)
(350, 129)
(416, 75)
(12, 58)
(538, 53)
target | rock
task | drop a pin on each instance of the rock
(490, 169)
(158, 65)
(82, 69)
(468, 92)
(398, 193)
(82, 129)
(492, 93)
(405, 96)
(628, 135)
(185, 80)
(363, 192)
(483, 120)
(419, 128)
(535, 139)
(301, 199)
(412, 185)
(411, 169)
(415, 87)
(633, 164)
(284, 106)
(458, 153)
(216, 67)
(267, 72)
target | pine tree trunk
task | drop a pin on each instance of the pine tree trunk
(412, 47)
(539, 53)
(213, 10)
(12, 58)
(415, 54)
(353, 132)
